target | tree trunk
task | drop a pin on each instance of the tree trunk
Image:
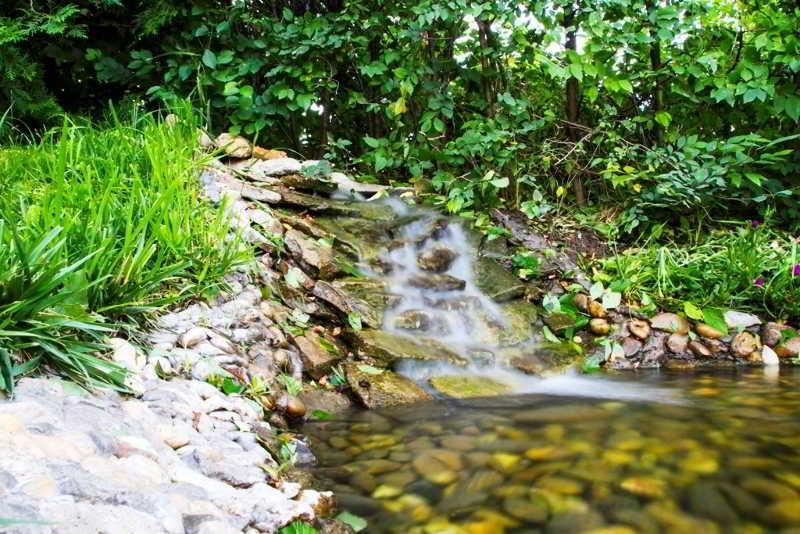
(656, 65)
(573, 103)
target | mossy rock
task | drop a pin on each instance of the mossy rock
(466, 386)
(378, 388)
(364, 296)
(517, 326)
(495, 281)
(386, 348)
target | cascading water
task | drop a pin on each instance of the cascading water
(431, 268)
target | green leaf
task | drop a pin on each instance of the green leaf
(354, 319)
(298, 527)
(293, 277)
(321, 415)
(209, 59)
(549, 335)
(663, 118)
(596, 291)
(357, 523)
(500, 183)
(611, 300)
(370, 370)
(692, 311)
(715, 318)
(6, 372)
(230, 387)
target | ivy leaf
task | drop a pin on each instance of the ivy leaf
(209, 59)
(692, 311)
(298, 527)
(549, 335)
(500, 183)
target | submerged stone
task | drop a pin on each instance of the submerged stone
(436, 259)
(465, 386)
(420, 320)
(382, 389)
(387, 348)
(437, 282)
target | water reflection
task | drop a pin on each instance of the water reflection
(722, 460)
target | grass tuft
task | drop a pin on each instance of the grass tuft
(101, 226)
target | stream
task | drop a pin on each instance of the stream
(514, 443)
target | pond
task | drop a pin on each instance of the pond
(703, 452)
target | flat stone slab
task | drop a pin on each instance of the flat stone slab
(495, 281)
(378, 388)
(467, 386)
(387, 348)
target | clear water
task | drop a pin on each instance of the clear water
(657, 452)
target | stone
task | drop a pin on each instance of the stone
(234, 146)
(203, 139)
(677, 344)
(436, 259)
(308, 183)
(699, 349)
(582, 302)
(639, 328)
(597, 310)
(772, 333)
(670, 322)
(317, 352)
(534, 510)
(467, 386)
(558, 321)
(707, 331)
(631, 346)
(348, 185)
(383, 389)
(331, 402)
(419, 320)
(599, 327)
(769, 357)
(789, 348)
(311, 254)
(192, 337)
(262, 170)
(706, 500)
(367, 298)
(784, 513)
(744, 344)
(387, 348)
(265, 153)
(291, 405)
(739, 320)
(495, 281)
(650, 488)
(437, 282)
(126, 354)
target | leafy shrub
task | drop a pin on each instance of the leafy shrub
(100, 225)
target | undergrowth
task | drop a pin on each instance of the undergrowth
(99, 226)
(751, 266)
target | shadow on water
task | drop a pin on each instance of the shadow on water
(706, 452)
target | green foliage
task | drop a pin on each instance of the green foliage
(746, 268)
(98, 226)
(690, 103)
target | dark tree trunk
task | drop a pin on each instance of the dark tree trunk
(573, 102)
(656, 65)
